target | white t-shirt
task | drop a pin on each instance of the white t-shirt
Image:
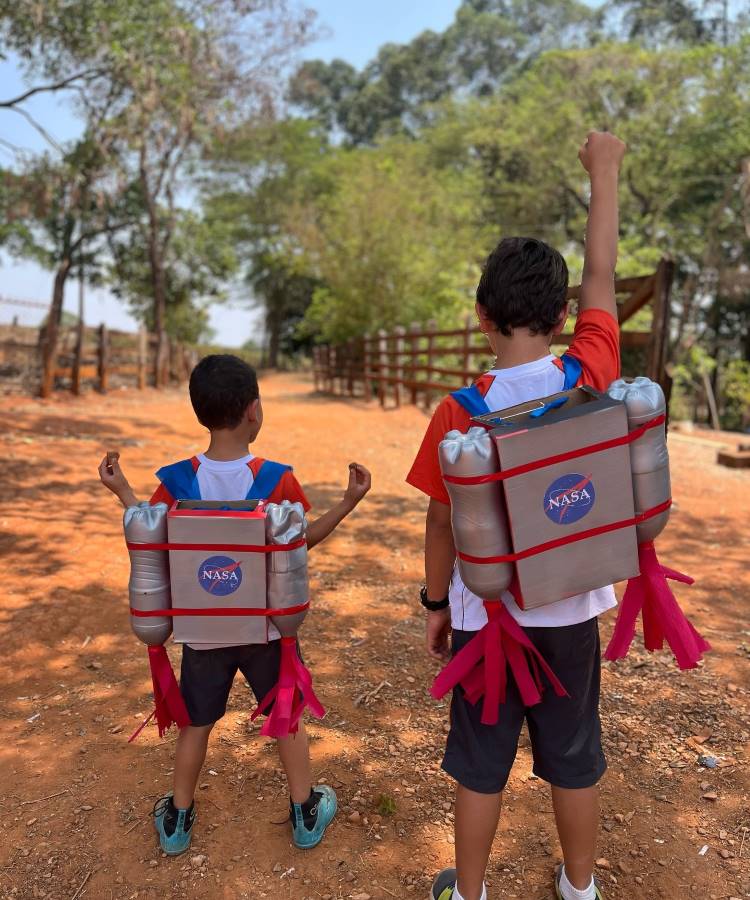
(226, 480)
(509, 387)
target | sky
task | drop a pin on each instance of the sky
(351, 30)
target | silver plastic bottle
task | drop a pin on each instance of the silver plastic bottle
(478, 517)
(286, 571)
(649, 458)
(149, 571)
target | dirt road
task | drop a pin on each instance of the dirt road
(75, 797)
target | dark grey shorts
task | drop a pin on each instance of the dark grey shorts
(206, 676)
(565, 732)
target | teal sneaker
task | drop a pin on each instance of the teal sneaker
(310, 820)
(174, 826)
(444, 885)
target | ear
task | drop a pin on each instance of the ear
(485, 322)
(252, 412)
(562, 319)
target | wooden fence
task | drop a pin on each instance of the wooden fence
(98, 358)
(420, 364)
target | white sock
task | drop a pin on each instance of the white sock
(571, 893)
(457, 896)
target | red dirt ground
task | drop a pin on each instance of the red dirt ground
(75, 797)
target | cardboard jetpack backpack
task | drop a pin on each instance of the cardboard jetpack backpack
(552, 498)
(547, 505)
(207, 579)
(232, 566)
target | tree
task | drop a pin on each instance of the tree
(261, 171)
(59, 214)
(391, 244)
(487, 44)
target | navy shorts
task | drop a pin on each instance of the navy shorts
(206, 676)
(565, 732)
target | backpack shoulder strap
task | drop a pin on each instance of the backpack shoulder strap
(180, 480)
(471, 400)
(266, 481)
(572, 370)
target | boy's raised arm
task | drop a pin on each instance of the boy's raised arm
(113, 478)
(601, 156)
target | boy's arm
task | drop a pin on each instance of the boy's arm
(439, 559)
(114, 480)
(360, 482)
(601, 156)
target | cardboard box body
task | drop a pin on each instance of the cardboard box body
(205, 579)
(567, 497)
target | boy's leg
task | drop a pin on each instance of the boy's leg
(566, 743)
(577, 818)
(480, 758)
(294, 752)
(190, 755)
(477, 816)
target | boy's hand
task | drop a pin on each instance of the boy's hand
(360, 482)
(113, 478)
(602, 153)
(438, 630)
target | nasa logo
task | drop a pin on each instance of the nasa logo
(219, 575)
(569, 498)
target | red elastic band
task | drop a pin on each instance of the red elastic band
(569, 538)
(219, 611)
(560, 457)
(233, 548)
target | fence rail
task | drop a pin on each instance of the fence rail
(99, 358)
(410, 365)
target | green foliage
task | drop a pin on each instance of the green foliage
(391, 244)
(386, 805)
(735, 382)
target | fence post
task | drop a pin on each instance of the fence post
(431, 329)
(103, 355)
(467, 354)
(350, 367)
(367, 366)
(332, 365)
(142, 357)
(399, 366)
(414, 351)
(382, 365)
(315, 365)
(659, 346)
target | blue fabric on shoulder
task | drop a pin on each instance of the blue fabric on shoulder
(180, 480)
(266, 481)
(572, 370)
(471, 400)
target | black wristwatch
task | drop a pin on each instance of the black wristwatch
(432, 605)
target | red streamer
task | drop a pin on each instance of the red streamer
(481, 667)
(650, 595)
(170, 707)
(292, 694)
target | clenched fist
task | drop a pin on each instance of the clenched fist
(602, 153)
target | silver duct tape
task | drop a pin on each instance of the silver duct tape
(286, 571)
(478, 517)
(649, 457)
(149, 571)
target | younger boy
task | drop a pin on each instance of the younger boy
(225, 398)
(521, 305)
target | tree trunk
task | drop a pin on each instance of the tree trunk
(273, 327)
(80, 331)
(52, 329)
(158, 284)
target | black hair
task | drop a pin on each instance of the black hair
(524, 284)
(222, 387)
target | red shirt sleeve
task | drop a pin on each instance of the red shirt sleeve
(425, 474)
(161, 495)
(596, 345)
(290, 489)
